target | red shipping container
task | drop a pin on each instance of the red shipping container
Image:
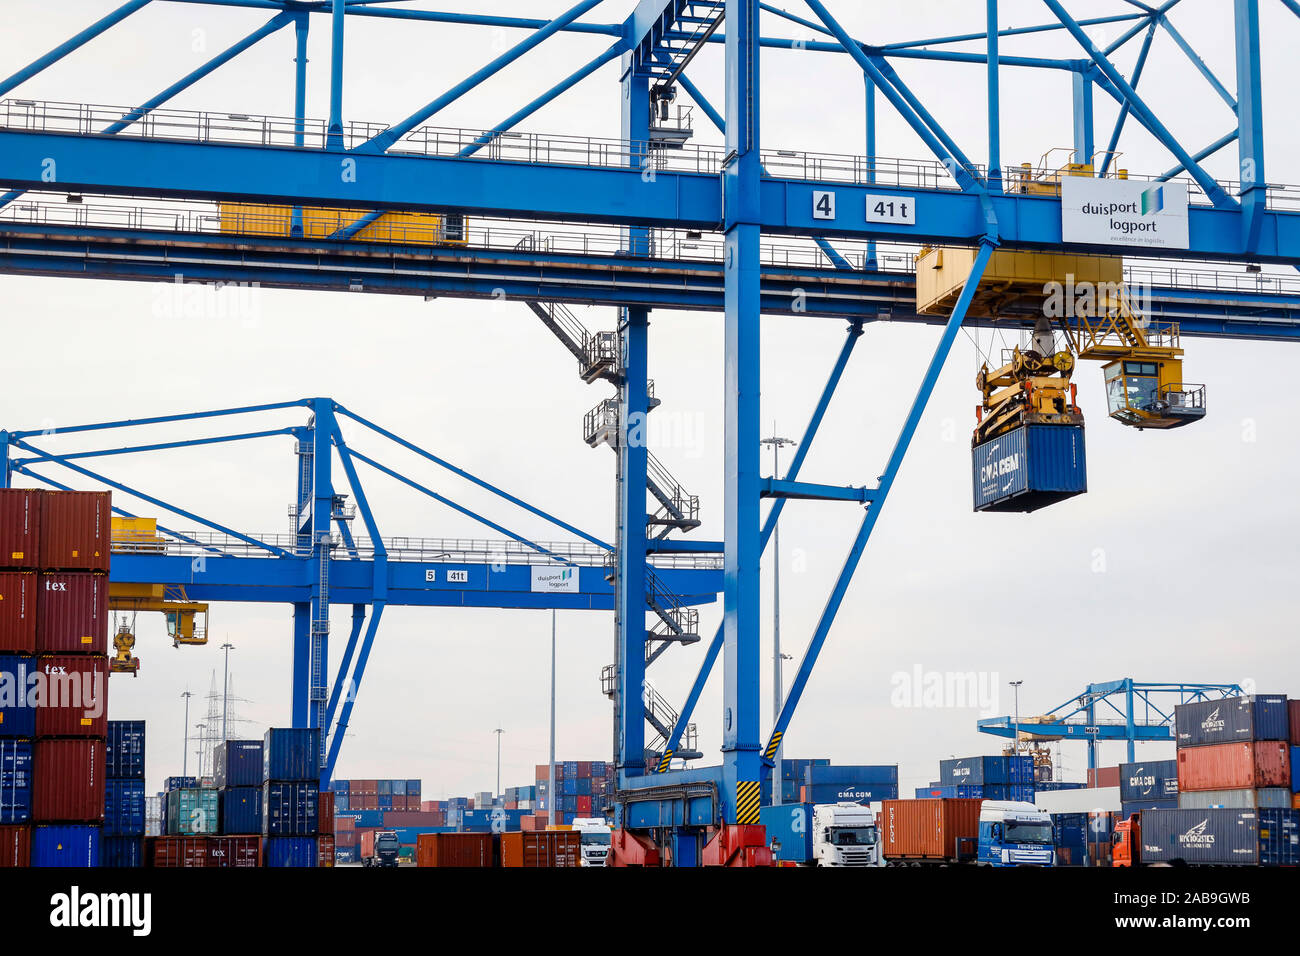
(584, 768)
(584, 805)
(344, 824)
(73, 700)
(75, 530)
(412, 818)
(473, 850)
(68, 781)
(15, 847)
(18, 611)
(325, 850)
(234, 852)
(1293, 707)
(545, 848)
(20, 527)
(1103, 777)
(928, 829)
(325, 812)
(72, 613)
(346, 840)
(176, 851)
(1235, 766)
(512, 804)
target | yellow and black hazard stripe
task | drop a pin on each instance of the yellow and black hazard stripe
(747, 800)
(664, 761)
(770, 753)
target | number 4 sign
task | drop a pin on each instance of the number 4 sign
(898, 210)
(823, 205)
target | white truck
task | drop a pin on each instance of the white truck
(595, 839)
(844, 834)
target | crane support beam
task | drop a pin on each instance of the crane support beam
(583, 194)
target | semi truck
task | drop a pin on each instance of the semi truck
(1213, 837)
(968, 831)
(824, 834)
(379, 848)
(595, 834)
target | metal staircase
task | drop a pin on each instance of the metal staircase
(678, 510)
(677, 624)
(598, 353)
(660, 715)
(696, 23)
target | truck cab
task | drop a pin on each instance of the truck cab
(595, 840)
(1126, 842)
(844, 834)
(380, 848)
(1015, 833)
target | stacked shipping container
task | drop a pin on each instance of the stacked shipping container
(1234, 753)
(291, 797)
(54, 559)
(122, 843)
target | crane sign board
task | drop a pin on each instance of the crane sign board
(1124, 212)
(551, 579)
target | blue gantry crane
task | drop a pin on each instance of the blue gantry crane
(1114, 710)
(645, 219)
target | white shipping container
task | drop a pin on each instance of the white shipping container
(1078, 801)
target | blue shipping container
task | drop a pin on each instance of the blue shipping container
(1127, 810)
(296, 851)
(1295, 769)
(363, 818)
(1260, 717)
(291, 754)
(123, 808)
(1153, 780)
(121, 852)
(65, 846)
(866, 775)
(1029, 468)
(1222, 837)
(15, 781)
(850, 793)
(341, 786)
(241, 810)
(791, 824)
(413, 788)
(290, 809)
(238, 763)
(16, 718)
(124, 751)
(180, 783)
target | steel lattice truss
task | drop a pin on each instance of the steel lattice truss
(645, 220)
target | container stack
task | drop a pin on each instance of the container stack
(987, 778)
(291, 797)
(1293, 707)
(57, 542)
(122, 844)
(1148, 786)
(1234, 753)
(582, 789)
(238, 766)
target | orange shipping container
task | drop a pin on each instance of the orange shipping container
(1103, 777)
(927, 829)
(465, 850)
(547, 848)
(1235, 766)
(345, 824)
(325, 850)
(325, 812)
(15, 846)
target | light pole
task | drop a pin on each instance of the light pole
(776, 444)
(498, 732)
(185, 752)
(1016, 740)
(550, 779)
(225, 691)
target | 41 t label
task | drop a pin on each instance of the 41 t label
(896, 210)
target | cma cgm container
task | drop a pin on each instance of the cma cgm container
(17, 710)
(15, 781)
(18, 611)
(848, 792)
(290, 809)
(929, 830)
(293, 851)
(65, 846)
(74, 699)
(241, 810)
(20, 527)
(15, 847)
(291, 754)
(985, 770)
(1263, 763)
(75, 530)
(72, 613)
(121, 852)
(546, 848)
(125, 752)
(1222, 837)
(1029, 468)
(238, 763)
(1243, 799)
(193, 812)
(1234, 719)
(1153, 780)
(68, 781)
(123, 808)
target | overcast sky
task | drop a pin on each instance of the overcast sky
(1177, 565)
